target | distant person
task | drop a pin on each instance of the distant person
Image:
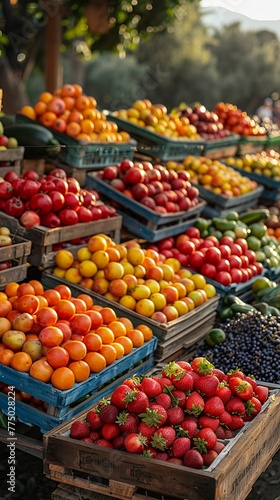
(276, 113)
(266, 109)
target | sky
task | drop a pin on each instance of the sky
(252, 14)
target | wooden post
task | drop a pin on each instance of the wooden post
(53, 66)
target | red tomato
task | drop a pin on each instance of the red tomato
(213, 255)
(223, 278)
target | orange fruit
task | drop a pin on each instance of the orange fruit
(145, 307)
(80, 369)
(6, 356)
(29, 112)
(63, 378)
(96, 361)
(126, 322)
(135, 256)
(92, 341)
(76, 349)
(88, 300)
(5, 325)
(106, 334)
(41, 370)
(37, 286)
(11, 289)
(119, 349)
(109, 352)
(147, 332)
(108, 314)
(126, 343)
(118, 328)
(136, 336)
(21, 361)
(64, 259)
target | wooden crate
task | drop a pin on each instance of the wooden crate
(10, 159)
(63, 405)
(43, 239)
(127, 476)
(18, 254)
(36, 165)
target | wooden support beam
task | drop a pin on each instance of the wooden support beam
(53, 66)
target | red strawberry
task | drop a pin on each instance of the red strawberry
(147, 430)
(155, 415)
(237, 422)
(110, 431)
(241, 388)
(209, 457)
(180, 397)
(162, 456)
(94, 436)
(104, 443)
(261, 392)
(224, 392)
(235, 406)
(206, 385)
(218, 447)
(195, 404)
(94, 420)
(137, 401)
(117, 442)
(225, 419)
(108, 414)
(151, 387)
(134, 443)
(132, 382)
(202, 366)
(128, 422)
(149, 452)
(251, 381)
(184, 364)
(214, 407)
(188, 427)
(229, 434)
(164, 400)
(220, 433)
(205, 439)
(163, 438)
(118, 396)
(220, 374)
(175, 415)
(183, 381)
(79, 430)
(193, 458)
(172, 370)
(253, 407)
(235, 373)
(87, 440)
(180, 446)
(176, 461)
(164, 382)
(206, 421)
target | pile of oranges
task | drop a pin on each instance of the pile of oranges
(71, 112)
(139, 279)
(61, 339)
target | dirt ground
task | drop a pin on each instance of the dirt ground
(31, 483)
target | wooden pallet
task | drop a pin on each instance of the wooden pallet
(17, 254)
(122, 475)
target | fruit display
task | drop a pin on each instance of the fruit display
(51, 200)
(155, 118)
(141, 280)
(266, 164)
(6, 142)
(215, 176)
(238, 121)
(249, 226)
(153, 186)
(207, 122)
(252, 344)
(69, 111)
(61, 339)
(180, 414)
(227, 260)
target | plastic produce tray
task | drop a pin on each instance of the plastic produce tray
(89, 155)
(154, 219)
(220, 148)
(156, 145)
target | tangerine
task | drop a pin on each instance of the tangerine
(96, 361)
(80, 369)
(21, 361)
(63, 378)
(41, 370)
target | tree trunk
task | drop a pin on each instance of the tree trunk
(14, 95)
